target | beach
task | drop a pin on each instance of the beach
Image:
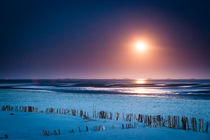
(30, 125)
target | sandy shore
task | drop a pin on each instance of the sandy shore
(24, 125)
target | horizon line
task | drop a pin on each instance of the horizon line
(104, 78)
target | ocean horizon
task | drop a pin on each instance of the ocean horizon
(174, 88)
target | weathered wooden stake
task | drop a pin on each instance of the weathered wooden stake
(110, 116)
(81, 113)
(201, 127)
(184, 123)
(99, 128)
(178, 122)
(122, 126)
(207, 126)
(59, 131)
(194, 124)
(169, 121)
(95, 128)
(104, 128)
(117, 116)
(55, 133)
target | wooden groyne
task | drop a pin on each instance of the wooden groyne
(174, 122)
(5, 136)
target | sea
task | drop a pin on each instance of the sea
(183, 97)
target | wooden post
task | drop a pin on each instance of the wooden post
(178, 122)
(81, 113)
(55, 133)
(145, 120)
(131, 117)
(102, 115)
(141, 118)
(84, 114)
(154, 121)
(16, 108)
(87, 115)
(150, 120)
(123, 118)
(30, 109)
(187, 123)
(20, 108)
(95, 128)
(73, 112)
(117, 116)
(194, 124)
(159, 120)
(110, 116)
(24, 109)
(59, 131)
(3, 108)
(48, 132)
(184, 123)
(173, 122)
(11, 108)
(127, 117)
(104, 128)
(135, 125)
(43, 131)
(201, 125)
(169, 121)
(99, 128)
(207, 126)
(6, 136)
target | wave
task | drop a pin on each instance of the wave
(193, 89)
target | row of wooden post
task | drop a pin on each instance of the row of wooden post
(19, 108)
(129, 125)
(47, 132)
(147, 120)
(4, 137)
(96, 128)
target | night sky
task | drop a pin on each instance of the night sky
(92, 39)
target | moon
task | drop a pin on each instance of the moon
(141, 46)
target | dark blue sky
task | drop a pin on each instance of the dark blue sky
(86, 39)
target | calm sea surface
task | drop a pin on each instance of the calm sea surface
(184, 89)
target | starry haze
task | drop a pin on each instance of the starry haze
(92, 39)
